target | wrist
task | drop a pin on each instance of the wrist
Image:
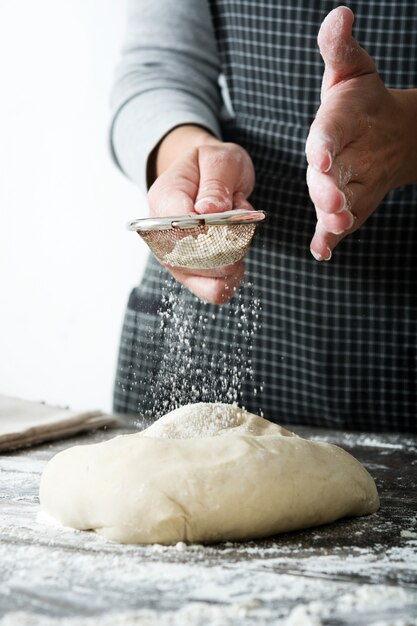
(407, 121)
(175, 143)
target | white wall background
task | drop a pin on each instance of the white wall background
(67, 262)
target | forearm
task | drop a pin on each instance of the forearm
(167, 78)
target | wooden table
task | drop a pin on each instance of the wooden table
(359, 571)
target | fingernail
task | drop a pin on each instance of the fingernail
(322, 164)
(208, 200)
(321, 158)
(209, 203)
(329, 156)
(316, 255)
(328, 256)
(319, 257)
(351, 220)
(343, 202)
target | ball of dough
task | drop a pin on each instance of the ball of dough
(204, 473)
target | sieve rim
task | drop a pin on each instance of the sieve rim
(194, 221)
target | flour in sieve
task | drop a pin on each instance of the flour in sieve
(219, 245)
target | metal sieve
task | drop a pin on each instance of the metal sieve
(199, 241)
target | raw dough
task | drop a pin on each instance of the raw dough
(205, 473)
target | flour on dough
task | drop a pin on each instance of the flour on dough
(205, 473)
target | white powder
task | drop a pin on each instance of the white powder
(356, 607)
(409, 534)
(301, 616)
(218, 246)
(194, 614)
(231, 585)
(366, 599)
(191, 369)
(201, 420)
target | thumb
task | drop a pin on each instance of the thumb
(224, 172)
(342, 55)
(217, 182)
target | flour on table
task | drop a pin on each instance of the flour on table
(364, 600)
(382, 598)
(205, 473)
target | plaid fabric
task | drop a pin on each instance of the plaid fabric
(325, 344)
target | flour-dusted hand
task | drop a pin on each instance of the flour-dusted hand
(209, 177)
(362, 143)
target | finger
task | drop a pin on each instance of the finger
(344, 59)
(342, 55)
(322, 243)
(332, 131)
(328, 190)
(173, 192)
(336, 223)
(352, 164)
(324, 191)
(240, 203)
(222, 174)
(214, 290)
(351, 216)
(332, 228)
(171, 201)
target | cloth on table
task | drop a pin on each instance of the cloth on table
(24, 423)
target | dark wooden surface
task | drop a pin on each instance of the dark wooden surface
(355, 571)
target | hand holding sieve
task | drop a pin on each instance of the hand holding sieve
(199, 241)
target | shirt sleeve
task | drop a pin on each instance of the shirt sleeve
(168, 76)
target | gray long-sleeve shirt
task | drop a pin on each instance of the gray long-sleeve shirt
(168, 76)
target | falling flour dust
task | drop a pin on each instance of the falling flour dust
(206, 355)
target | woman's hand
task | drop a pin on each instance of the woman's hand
(363, 142)
(201, 174)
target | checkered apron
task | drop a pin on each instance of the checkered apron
(323, 344)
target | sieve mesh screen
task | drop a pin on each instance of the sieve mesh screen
(200, 247)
